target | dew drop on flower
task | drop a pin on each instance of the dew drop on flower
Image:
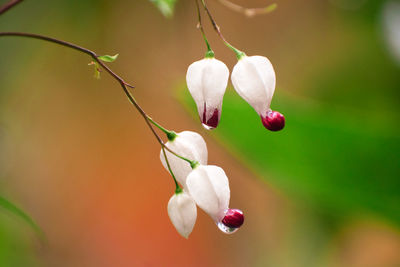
(225, 229)
(232, 221)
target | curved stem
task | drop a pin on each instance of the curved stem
(178, 189)
(239, 54)
(158, 125)
(70, 45)
(123, 84)
(171, 135)
(210, 52)
(148, 122)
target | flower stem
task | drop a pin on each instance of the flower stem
(171, 135)
(94, 56)
(96, 59)
(210, 52)
(239, 54)
(178, 189)
(70, 45)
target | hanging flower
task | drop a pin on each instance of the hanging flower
(254, 80)
(189, 145)
(209, 187)
(207, 80)
(182, 212)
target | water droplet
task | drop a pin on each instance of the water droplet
(225, 229)
(207, 127)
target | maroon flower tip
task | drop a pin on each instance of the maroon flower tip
(234, 218)
(212, 122)
(274, 121)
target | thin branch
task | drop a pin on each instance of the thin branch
(9, 5)
(249, 12)
(148, 121)
(238, 53)
(177, 187)
(200, 26)
(70, 45)
(213, 22)
(123, 84)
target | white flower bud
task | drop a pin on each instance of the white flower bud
(254, 80)
(189, 145)
(209, 187)
(183, 213)
(207, 80)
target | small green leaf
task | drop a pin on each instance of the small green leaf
(107, 58)
(7, 205)
(165, 6)
(96, 69)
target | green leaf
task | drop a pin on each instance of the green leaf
(165, 6)
(107, 58)
(10, 207)
(96, 69)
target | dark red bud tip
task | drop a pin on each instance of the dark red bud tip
(212, 122)
(273, 121)
(234, 218)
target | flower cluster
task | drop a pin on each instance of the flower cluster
(206, 186)
(253, 78)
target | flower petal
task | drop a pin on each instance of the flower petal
(254, 80)
(209, 187)
(189, 145)
(183, 213)
(207, 80)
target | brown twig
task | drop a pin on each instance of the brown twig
(70, 45)
(121, 81)
(213, 22)
(9, 5)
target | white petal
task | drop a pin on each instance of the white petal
(183, 213)
(207, 80)
(189, 145)
(254, 80)
(209, 187)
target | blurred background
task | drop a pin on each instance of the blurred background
(78, 159)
